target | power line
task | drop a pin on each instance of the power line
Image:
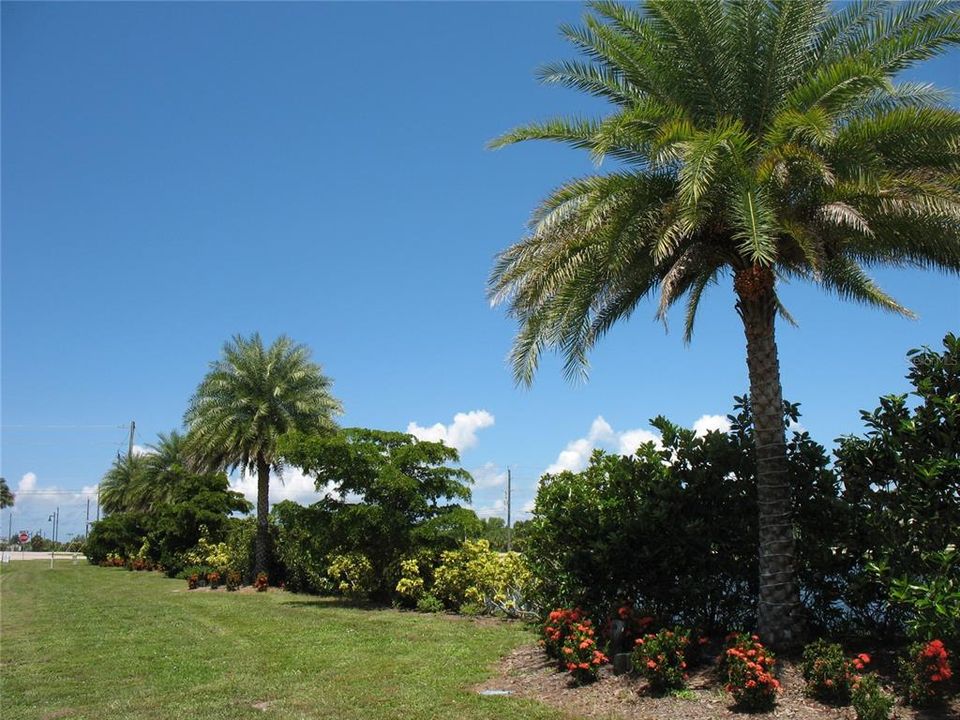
(62, 427)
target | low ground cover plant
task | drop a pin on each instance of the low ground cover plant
(925, 672)
(233, 580)
(870, 701)
(661, 659)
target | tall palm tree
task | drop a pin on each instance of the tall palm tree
(251, 396)
(755, 140)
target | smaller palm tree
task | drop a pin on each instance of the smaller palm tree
(124, 485)
(249, 399)
(6, 496)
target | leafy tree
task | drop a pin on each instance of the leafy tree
(403, 487)
(6, 496)
(902, 482)
(252, 395)
(758, 141)
(495, 533)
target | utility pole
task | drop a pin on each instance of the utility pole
(509, 498)
(98, 502)
(86, 525)
(133, 427)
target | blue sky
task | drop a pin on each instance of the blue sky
(173, 174)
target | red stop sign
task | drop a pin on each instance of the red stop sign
(24, 537)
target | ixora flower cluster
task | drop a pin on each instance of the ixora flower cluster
(570, 639)
(925, 672)
(747, 668)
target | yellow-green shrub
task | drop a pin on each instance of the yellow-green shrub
(410, 586)
(353, 573)
(214, 555)
(496, 581)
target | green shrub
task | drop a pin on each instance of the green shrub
(870, 700)
(429, 604)
(931, 596)
(471, 609)
(661, 659)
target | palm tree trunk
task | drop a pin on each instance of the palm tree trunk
(262, 540)
(779, 605)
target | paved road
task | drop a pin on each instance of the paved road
(30, 555)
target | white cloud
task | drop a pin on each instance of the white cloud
(631, 440)
(488, 475)
(601, 435)
(576, 455)
(460, 434)
(706, 423)
(293, 484)
(528, 506)
(27, 483)
(142, 450)
(497, 509)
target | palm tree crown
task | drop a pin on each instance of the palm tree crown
(763, 139)
(124, 487)
(750, 134)
(252, 395)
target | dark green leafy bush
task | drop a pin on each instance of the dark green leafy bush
(670, 528)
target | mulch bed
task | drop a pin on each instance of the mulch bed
(528, 673)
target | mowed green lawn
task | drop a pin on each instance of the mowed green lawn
(87, 642)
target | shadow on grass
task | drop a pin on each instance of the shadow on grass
(337, 603)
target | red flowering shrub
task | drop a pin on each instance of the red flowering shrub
(660, 658)
(830, 675)
(193, 581)
(925, 672)
(747, 668)
(580, 655)
(261, 582)
(213, 579)
(557, 629)
(635, 625)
